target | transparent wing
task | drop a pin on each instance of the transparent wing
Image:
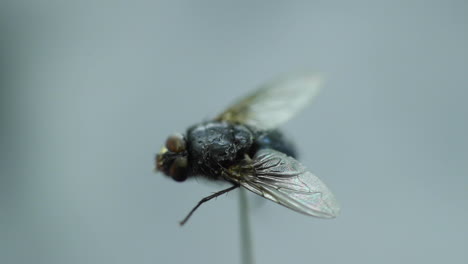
(275, 102)
(284, 180)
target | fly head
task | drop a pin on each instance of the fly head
(172, 159)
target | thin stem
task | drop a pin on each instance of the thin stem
(246, 240)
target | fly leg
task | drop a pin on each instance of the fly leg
(206, 199)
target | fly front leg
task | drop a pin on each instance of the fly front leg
(206, 199)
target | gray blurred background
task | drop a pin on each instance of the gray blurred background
(90, 90)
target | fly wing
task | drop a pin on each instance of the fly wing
(284, 180)
(274, 103)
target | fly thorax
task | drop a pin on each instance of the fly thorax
(215, 146)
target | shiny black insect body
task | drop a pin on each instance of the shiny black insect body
(243, 147)
(214, 146)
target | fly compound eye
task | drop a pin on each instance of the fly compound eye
(178, 170)
(175, 143)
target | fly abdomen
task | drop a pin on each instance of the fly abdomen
(274, 139)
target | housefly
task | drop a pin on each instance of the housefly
(243, 146)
